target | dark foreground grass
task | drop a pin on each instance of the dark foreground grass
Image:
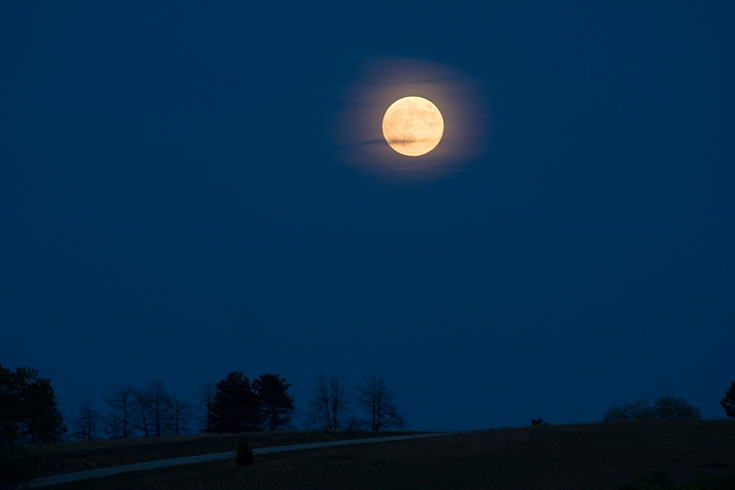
(592, 456)
(82, 456)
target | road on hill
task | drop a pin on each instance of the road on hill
(82, 475)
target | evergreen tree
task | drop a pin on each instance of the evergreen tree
(728, 403)
(276, 405)
(236, 407)
(28, 410)
(28, 414)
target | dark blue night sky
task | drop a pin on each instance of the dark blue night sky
(174, 204)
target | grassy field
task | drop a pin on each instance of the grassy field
(590, 456)
(82, 456)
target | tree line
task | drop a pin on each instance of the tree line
(135, 411)
(29, 413)
(665, 407)
(374, 400)
(235, 404)
(232, 405)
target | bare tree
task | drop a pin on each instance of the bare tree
(377, 400)
(205, 397)
(85, 426)
(182, 413)
(329, 405)
(141, 410)
(159, 407)
(112, 426)
(309, 420)
(119, 424)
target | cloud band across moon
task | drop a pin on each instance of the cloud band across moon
(357, 132)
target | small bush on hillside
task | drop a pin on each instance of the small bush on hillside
(664, 407)
(243, 454)
(664, 481)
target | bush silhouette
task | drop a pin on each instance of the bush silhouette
(243, 454)
(665, 407)
(636, 410)
(728, 402)
(668, 407)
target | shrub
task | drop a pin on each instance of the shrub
(243, 454)
(637, 410)
(665, 407)
(668, 407)
(728, 402)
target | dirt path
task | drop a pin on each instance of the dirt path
(81, 475)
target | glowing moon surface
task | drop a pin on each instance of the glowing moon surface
(413, 126)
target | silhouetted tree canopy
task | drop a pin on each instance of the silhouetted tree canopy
(668, 407)
(236, 407)
(276, 405)
(28, 414)
(28, 410)
(636, 410)
(728, 403)
(665, 407)
(205, 397)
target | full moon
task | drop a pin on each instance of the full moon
(413, 126)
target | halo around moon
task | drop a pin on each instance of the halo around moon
(381, 83)
(413, 126)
